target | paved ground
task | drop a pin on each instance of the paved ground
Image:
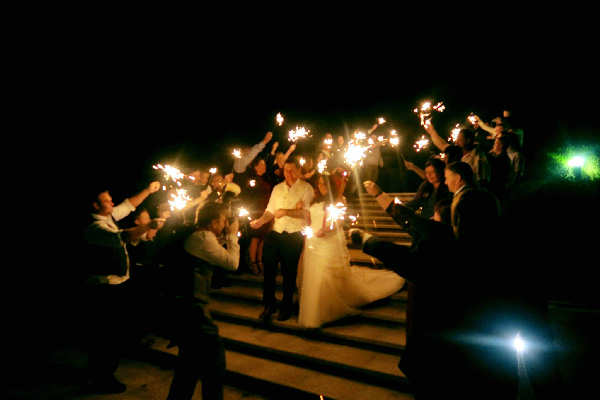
(61, 375)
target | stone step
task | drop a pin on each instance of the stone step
(246, 279)
(345, 361)
(289, 381)
(392, 311)
(355, 332)
(367, 223)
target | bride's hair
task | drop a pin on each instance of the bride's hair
(336, 184)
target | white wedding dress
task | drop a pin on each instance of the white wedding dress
(330, 288)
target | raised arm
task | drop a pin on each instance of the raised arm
(412, 167)
(240, 164)
(485, 126)
(141, 196)
(290, 151)
(438, 141)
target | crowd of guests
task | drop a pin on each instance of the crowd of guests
(172, 259)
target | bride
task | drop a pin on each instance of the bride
(329, 287)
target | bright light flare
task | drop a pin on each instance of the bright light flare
(381, 121)
(322, 166)
(302, 161)
(252, 183)
(576, 162)
(335, 212)
(380, 139)
(425, 111)
(213, 170)
(298, 133)
(422, 143)
(394, 141)
(279, 119)
(354, 219)
(243, 212)
(170, 172)
(355, 153)
(472, 119)
(397, 200)
(454, 133)
(519, 344)
(308, 232)
(328, 142)
(179, 199)
(237, 153)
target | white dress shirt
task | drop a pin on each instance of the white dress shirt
(286, 197)
(204, 245)
(479, 164)
(105, 232)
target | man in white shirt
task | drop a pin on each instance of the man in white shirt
(201, 350)
(109, 266)
(288, 205)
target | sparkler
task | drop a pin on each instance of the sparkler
(237, 153)
(308, 232)
(302, 161)
(394, 141)
(279, 119)
(335, 213)
(371, 142)
(397, 200)
(425, 111)
(472, 119)
(421, 143)
(360, 135)
(170, 172)
(328, 142)
(252, 183)
(322, 166)
(213, 171)
(380, 139)
(179, 199)
(454, 134)
(298, 133)
(381, 120)
(244, 213)
(355, 153)
(353, 219)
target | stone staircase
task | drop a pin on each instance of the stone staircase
(354, 358)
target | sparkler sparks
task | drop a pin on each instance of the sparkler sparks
(380, 139)
(328, 142)
(354, 219)
(279, 119)
(308, 232)
(394, 141)
(381, 121)
(252, 183)
(322, 166)
(425, 111)
(213, 170)
(171, 172)
(335, 213)
(454, 134)
(179, 199)
(298, 133)
(355, 153)
(421, 143)
(397, 200)
(472, 119)
(302, 161)
(237, 153)
(360, 135)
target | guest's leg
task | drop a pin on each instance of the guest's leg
(270, 259)
(252, 254)
(259, 255)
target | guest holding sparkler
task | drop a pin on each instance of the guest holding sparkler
(432, 190)
(256, 195)
(373, 161)
(288, 207)
(500, 168)
(249, 154)
(109, 266)
(276, 162)
(201, 351)
(470, 153)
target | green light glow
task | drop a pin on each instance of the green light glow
(567, 161)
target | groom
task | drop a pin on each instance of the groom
(288, 204)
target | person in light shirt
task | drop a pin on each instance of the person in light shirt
(109, 267)
(288, 206)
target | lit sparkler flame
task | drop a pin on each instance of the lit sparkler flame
(397, 200)
(370, 141)
(421, 143)
(252, 183)
(279, 119)
(335, 213)
(308, 232)
(355, 153)
(454, 134)
(213, 170)
(394, 141)
(237, 153)
(170, 172)
(322, 166)
(299, 132)
(243, 212)
(381, 120)
(302, 161)
(354, 219)
(439, 107)
(360, 135)
(380, 138)
(442, 156)
(425, 111)
(328, 142)
(472, 119)
(179, 200)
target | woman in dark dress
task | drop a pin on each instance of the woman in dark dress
(432, 190)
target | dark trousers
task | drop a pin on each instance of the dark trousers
(285, 248)
(110, 328)
(201, 354)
